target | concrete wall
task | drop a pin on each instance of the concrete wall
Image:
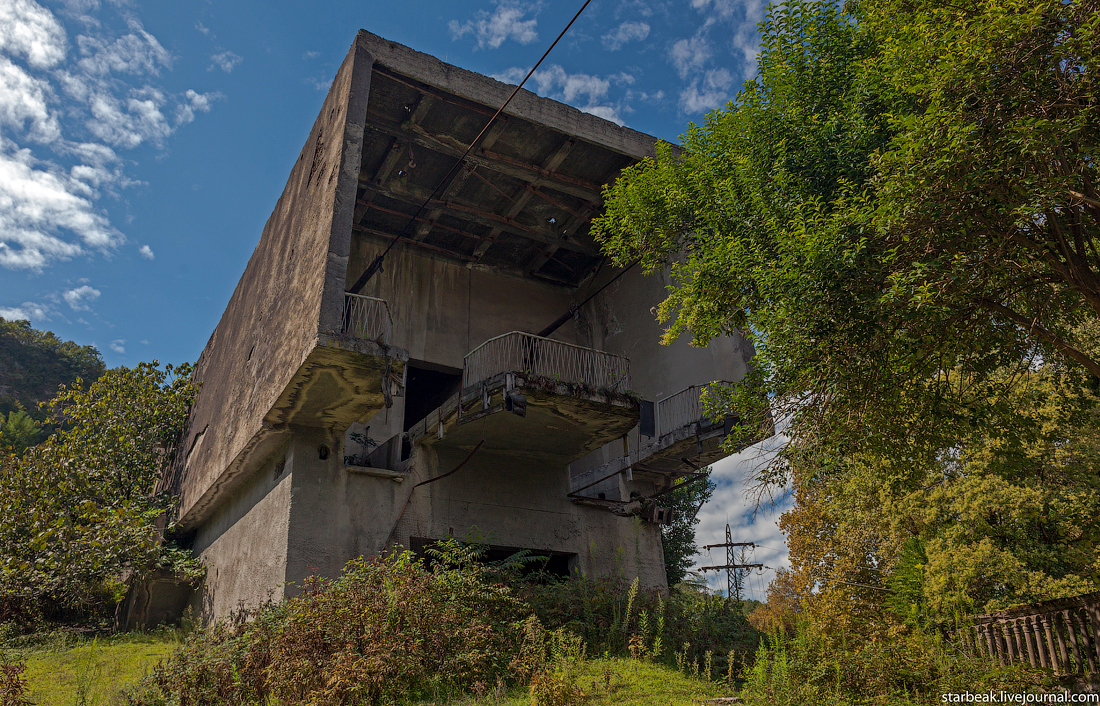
(521, 502)
(244, 543)
(443, 310)
(291, 289)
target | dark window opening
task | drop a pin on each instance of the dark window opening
(426, 389)
(553, 563)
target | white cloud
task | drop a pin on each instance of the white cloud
(75, 109)
(689, 54)
(729, 504)
(146, 252)
(225, 61)
(185, 112)
(79, 298)
(28, 310)
(22, 100)
(37, 203)
(136, 53)
(584, 91)
(117, 345)
(506, 22)
(625, 33)
(128, 122)
(311, 55)
(32, 32)
(707, 93)
(205, 30)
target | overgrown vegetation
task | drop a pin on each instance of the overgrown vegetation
(33, 364)
(396, 629)
(77, 511)
(902, 211)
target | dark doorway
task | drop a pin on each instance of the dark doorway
(428, 388)
(553, 563)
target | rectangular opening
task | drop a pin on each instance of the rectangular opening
(554, 563)
(427, 388)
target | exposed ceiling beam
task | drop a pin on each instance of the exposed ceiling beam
(415, 196)
(508, 166)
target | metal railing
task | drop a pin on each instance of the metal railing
(683, 408)
(367, 317)
(519, 352)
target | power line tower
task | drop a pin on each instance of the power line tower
(733, 569)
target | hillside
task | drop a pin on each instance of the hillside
(33, 363)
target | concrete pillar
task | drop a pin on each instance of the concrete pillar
(1021, 641)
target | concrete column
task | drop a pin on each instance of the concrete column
(1060, 633)
(1035, 640)
(1048, 630)
(1021, 641)
(1071, 627)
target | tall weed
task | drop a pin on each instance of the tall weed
(910, 668)
(388, 630)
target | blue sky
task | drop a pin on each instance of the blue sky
(143, 146)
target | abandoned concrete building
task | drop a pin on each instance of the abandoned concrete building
(497, 375)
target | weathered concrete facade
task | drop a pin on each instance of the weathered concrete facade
(434, 357)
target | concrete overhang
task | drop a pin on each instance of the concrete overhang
(522, 202)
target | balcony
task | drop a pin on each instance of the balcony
(349, 375)
(528, 395)
(683, 439)
(367, 318)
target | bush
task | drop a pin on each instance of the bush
(387, 630)
(620, 619)
(911, 668)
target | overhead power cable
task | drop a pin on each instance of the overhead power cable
(376, 265)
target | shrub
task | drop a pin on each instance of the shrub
(618, 618)
(910, 668)
(387, 630)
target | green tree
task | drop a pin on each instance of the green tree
(886, 201)
(34, 363)
(901, 211)
(18, 432)
(79, 509)
(678, 537)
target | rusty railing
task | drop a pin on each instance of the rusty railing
(683, 408)
(367, 317)
(525, 353)
(1062, 635)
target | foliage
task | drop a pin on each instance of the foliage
(79, 509)
(873, 222)
(609, 614)
(678, 537)
(918, 668)
(386, 630)
(33, 363)
(901, 212)
(780, 611)
(18, 433)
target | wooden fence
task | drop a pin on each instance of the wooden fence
(1062, 635)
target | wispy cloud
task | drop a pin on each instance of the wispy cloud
(708, 92)
(146, 252)
(585, 91)
(79, 299)
(727, 31)
(118, 345)
(623, 34)
(67, 105)
(225, 61)
(29, 311)
(505, 22)
(690, 54)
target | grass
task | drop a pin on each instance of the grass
(613, 682)
(68, 671)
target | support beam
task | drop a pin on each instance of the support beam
(508, 166)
